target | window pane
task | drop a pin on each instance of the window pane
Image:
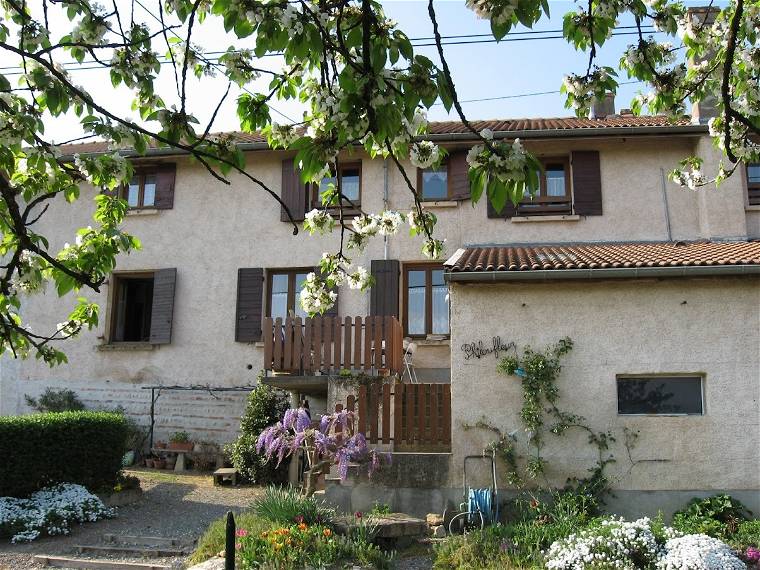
(349, 181)
(300, 280)
(149, 193)
(435, 184)
(323, 186)
(667, 395)
(440, 300)
(133, 192)
(753, 173)
(279, 296)
(415, 311)
(555, 180)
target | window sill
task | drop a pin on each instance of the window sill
(126, 347)
(143, 212)
(441, 204)
(752, 208)
(431, 341)
(561, 218)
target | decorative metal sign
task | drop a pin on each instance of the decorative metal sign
(479, 349)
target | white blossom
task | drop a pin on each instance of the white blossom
(424, 154)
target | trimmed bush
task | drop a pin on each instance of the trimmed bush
(40, 450)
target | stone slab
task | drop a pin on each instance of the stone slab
(84, 564)
(125, 497)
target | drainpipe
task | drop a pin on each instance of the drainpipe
(385, 203)
(665, 202)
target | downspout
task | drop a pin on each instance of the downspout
(385, 203)
(665, 202)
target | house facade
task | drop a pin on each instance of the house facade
(211, 301)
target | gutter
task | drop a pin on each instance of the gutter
(610, 273)
(587, 132)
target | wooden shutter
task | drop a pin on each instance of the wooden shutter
(384, 293)
(250, 303)
(587, 183)
(293, 192)
(459, 181)
(165, 175)
(508, 211)
(161, 317)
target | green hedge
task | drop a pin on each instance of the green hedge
(67, 447)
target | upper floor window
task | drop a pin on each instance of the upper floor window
(660, 395)
(753, 184)
(553, 194)
(141, 190)
(284, 288)
(350, 175)
(433, 183)
(426, 301)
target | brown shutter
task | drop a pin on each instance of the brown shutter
(508, 211)
(587, 183)
(293, 192)
(165, 175)
(161, 317)
(384, 293)
(459, 181)
(250, 302)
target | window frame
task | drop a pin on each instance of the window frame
(536, 207)
(291, 273)
(115, 286)
(682, 375)
(315, 199)
(420, 171)
(141, 174)
(429, 268)
(752, 187)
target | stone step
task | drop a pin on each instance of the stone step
(157, 541)
(85, 564)
(136, 551)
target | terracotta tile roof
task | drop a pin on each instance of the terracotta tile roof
(605, 256)
(560, 123)
(456, 127)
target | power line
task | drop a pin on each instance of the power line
(521, 95)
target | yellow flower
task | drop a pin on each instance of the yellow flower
(278, 546)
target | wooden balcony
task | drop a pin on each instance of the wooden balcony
(327, 345)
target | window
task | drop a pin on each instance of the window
(553, 194)
(141, 190)
(133, 303)
(284, 293)
(753, 184)
(665, 395)
(433, 183)
(426, 301)
(350, 183)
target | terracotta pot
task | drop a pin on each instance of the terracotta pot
(177, 446)
(159, 463)
(161, 445)
(149, 463)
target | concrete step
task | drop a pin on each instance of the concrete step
(152, 541)
(85, 564)
(135, 551)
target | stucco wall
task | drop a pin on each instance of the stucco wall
(214, 229)
(711, 327)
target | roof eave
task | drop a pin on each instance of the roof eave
(608, 273)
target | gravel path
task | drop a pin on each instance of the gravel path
(172, 506)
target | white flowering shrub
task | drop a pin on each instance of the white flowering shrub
(50, 511)
(641, 544)
(698, 552)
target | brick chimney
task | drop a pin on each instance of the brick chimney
(704, 110)
(601, 108)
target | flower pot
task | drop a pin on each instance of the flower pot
(161, 445)
(128, 459)
(177, 446)
(149, 462)
(159, 463)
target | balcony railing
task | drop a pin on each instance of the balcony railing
(545, 205)
(328, 345)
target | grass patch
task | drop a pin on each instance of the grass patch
(212, 541)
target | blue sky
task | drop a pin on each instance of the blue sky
(480, 70)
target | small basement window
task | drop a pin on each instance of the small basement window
(133, 305)
(660, 395)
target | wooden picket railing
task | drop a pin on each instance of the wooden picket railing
(327, 345)
(411, 417)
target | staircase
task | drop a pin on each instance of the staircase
(121, 552)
